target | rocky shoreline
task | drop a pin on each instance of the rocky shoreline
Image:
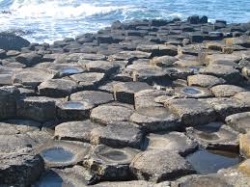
(146, 103)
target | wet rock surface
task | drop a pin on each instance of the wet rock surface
(134, 104)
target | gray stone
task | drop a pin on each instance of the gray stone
(101, 67)
(110, 163)
(191, 111)
(121, 134)
(226, 106)
(37, 108)
(20, 169)
(124, 92)
(9, 95)
(75, 130)
(239, 122)
(158, 50)
(129, 56)
(154, 119)
(57, 88)
(12, 127)
(106, 114)
(29, 59)
(243, 97)
(11, 41)
(226, 90)
(228, 73)
(204, 80)
(216, 136)
(173, 141)
(92, 97)
(145, 98)
(31, 77)
(163, 61)
(235, 176)
(159, 165)
(73, 110)
(88, 80)
(201, 180)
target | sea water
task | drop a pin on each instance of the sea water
(50, 20)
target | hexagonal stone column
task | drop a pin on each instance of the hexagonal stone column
(20, 168)
(9, 96)
(124, 92)
(109, 113)
(57, 88)
(110, 163)
(160, 165)
(240, 122)
(122, 134)
(75, 130)
(37, 108)
(192, 111)
(154, 119)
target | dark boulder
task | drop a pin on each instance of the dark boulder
(9, 41)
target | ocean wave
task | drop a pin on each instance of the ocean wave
(57, 9)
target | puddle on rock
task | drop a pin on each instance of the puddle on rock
(51, 179)
(115, 155)
(205, 162)
(73, 105)
(57, 154)
(190, 91)
(194, 69)
(70, 70)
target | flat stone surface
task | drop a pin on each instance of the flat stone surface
(244, 145)
(12, 142)
(226, 90)
(102, 67)
(145, 98)
(244, 97)
(235, 177)
(11, 127)
(201, 180)
(163, 61)
(227, 106)
(215, 136)
(57, 88)
(106, 114)
(159, 165)
(173, 141)
(228, 73)
(75, 130)
(31, 77)
(204, 80)
(118, 135)
(88, 80)
(191, 111)
(155, 119)
(240, 122)
(20, 168)
(92, 97)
